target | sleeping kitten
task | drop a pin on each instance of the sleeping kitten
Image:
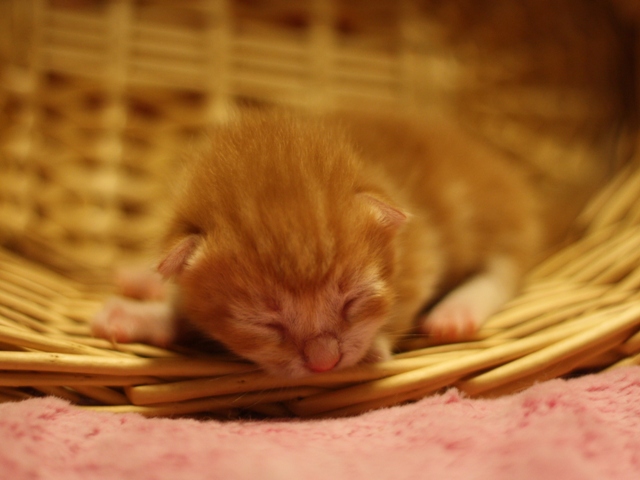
(307, 244)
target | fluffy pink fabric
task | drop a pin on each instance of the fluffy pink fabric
(587, 428)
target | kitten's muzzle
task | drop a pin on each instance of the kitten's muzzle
(322, 353)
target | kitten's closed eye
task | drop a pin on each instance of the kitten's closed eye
(364, 306)
(275, 329)
(348, 308)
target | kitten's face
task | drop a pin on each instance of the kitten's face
(289, 331)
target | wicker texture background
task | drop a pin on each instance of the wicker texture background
(100, 99)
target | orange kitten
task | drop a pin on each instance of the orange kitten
(307, 244)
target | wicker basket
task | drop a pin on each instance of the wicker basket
(99, 98)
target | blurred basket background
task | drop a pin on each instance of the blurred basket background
(99, 99)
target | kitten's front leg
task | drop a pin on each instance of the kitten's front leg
(125, 320)
(461, 313)
(143, 312)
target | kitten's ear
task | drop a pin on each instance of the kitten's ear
(388, 215)
(179, 255)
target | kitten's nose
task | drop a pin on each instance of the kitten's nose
(322, 353)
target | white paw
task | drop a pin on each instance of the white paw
(125, 321)
(451, 321)
(461, 313)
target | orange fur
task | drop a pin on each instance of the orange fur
(306, 243)
(300, 215)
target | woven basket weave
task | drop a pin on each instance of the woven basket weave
(99, 99)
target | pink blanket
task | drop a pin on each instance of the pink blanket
(587, 428)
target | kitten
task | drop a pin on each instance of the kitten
(307, 244)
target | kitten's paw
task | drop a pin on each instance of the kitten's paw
(125, 321)
(451, 321)
(112, 321)
(461, 313)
